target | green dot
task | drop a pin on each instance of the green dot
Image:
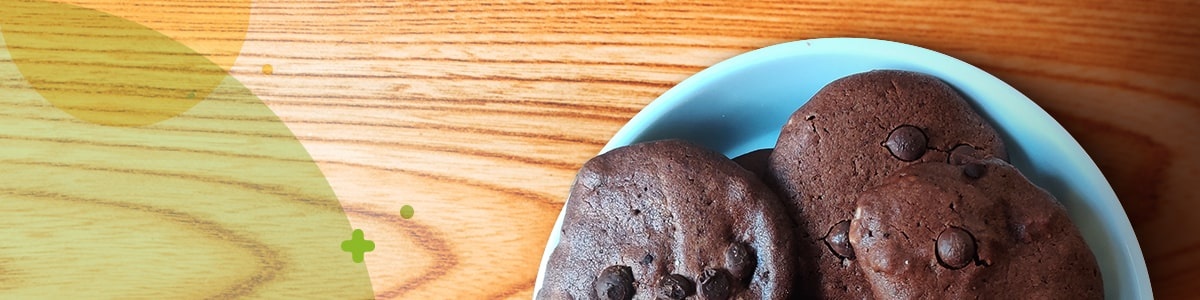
(406, 212)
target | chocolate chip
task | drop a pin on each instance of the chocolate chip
(974, 170)
(740, 261)
(714, 285)
(961, 155)
(907, 143)
(675, 287)
(838, 240)
(614, 283)
(955, 248)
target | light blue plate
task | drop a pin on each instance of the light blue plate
(740, 104)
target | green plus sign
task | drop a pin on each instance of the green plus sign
(356, 245)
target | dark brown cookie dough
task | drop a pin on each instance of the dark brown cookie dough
(851, 134)
(756, 161)
(669, 219)
(979, 230)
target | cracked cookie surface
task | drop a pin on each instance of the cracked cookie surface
(853, 133)
(670, 220)
(981, 229)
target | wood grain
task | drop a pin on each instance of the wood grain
(478, 113)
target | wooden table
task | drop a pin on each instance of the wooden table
(479, 113)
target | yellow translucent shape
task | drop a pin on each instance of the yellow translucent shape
(215, 29)
(187, 199)
(102, 68)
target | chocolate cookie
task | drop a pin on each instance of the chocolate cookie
(756, 161)
(854, 132)
(942, 231)
(670, 220)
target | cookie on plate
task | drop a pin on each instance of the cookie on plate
(758, 162)
(979, 230)
(854, 132)
(670, 220)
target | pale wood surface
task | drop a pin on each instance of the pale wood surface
(478, 113)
